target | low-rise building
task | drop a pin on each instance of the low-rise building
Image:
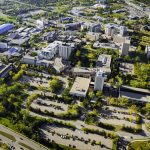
(29, 60)
(92, 36)
(104, 63)
(66, 19)
(84, 72)
(77, 12)
(127, 68)
(73, 26)
(3, 46)
(80, 87)
(19, 41)
(50, 36)
(41, 23)
(4, 70)
(100, 6)
(59, 65)
(50, 51)
(104, 45)
(13, 51)
(5, 27)
(101, 1)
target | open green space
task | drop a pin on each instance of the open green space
(9, 136)
(26, 146)
(140, 145)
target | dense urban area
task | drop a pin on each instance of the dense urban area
(75, 74)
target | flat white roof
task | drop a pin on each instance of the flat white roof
(106, 60)
(80, 86)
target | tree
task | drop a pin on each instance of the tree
(91, 95)
(78, 53)
(119, 83)
(30, 99)
(18, 75)
(99, 94)
(1, 81)
(123, 101)
(147, 108)
(133, 108)
(112, 101)
(79, 63)
(55, 85)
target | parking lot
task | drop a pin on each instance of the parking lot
(51, 106)
(117, 116)
(77, 138)
(35, 81)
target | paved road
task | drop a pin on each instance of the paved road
(137, 7)
(79, 125)
(31, 5)
(19, 138)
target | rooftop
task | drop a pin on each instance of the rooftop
(127, 68)
(100, 73)
(80, 86)
(105, 59)
(6, 25)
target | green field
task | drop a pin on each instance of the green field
(26, 146)
(139, 145)
(8, 136)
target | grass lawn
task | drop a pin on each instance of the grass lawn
(139, 145)
(3, 146)
(9, 136)
(148, 126)
(90, 49)
(26, 146)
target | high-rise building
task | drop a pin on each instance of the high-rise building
(99, 80)
(113, 29)
(65, 51)
(110, 31)
(147, 51)
(123, 30)
(125, 49)
(95, 28)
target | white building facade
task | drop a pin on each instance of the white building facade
(99, 81)
(65, 51)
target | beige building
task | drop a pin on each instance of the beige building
(104, 63)
(119, 39)
(58, 65)
(80, 87)
(127, 68)
(124, 49)
(92, 36)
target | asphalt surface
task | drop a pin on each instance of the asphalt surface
(19, 139)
